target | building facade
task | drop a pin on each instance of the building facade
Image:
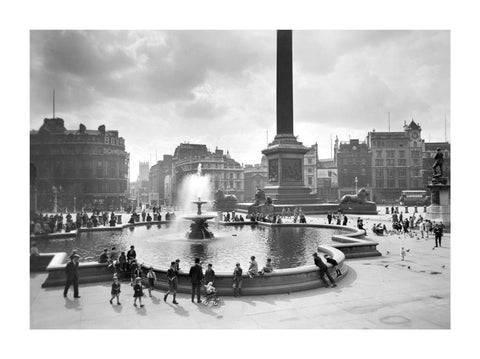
(354, 162)
(396, 162)
(255, 176)
(327, 180)
(310, 165)
(77, 169)
(158, 177)
(225, 173)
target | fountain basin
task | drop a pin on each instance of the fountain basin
(280, 281)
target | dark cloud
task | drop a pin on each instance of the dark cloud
(159, 88)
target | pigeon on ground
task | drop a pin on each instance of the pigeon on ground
(386, 266)
(433, 248)
(388, 252)
(443, 266)
(408, 250)
(409, 267)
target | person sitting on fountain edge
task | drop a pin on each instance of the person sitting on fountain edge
(253, 269)
(268, 267)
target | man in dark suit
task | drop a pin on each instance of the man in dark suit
(323, 271)
(71, 270)
(196, 276)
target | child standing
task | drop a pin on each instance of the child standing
(138, 292)
(403, 253)
(172, 282)
(237, 280)
(152, 277)
(115, 290)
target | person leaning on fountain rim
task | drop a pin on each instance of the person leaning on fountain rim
(323, 270)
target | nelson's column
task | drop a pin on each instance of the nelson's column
(285, 154)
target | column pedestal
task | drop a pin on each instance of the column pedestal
(285, 171)
(439, 210)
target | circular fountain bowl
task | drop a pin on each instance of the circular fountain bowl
(195, 217)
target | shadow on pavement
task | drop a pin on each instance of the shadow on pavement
(179, 310)
(72, 304)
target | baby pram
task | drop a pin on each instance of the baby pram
(211, 295)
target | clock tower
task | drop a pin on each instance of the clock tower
(414, 130)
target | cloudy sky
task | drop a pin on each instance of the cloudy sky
(160, 88)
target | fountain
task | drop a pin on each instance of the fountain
(199, 227)
(196, 186)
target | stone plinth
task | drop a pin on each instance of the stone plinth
(285, 171)
(439, 210)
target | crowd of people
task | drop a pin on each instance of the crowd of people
(145, 216)
(286, 216)
(339, 218)
(42, 224)
(57, 223)
(413, 223)
(233, 217)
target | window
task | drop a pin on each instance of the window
(309, 161)
(363, 172)
(416, 161)
(391, 183)
(363, 161)
(402, 183)
(310, 180)
(379, 183)
(416, 154)
(379, 173)
(379, 153)
(402, 162)
(390, 154)
(401, 153)
(310, 170)
(414, 144)
(390, 173)
(402, 173)
(378, 162)
(390, 162)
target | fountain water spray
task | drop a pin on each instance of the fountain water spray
(194, 186)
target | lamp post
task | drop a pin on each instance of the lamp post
(356, 185)
(55, 192)
(74, 204)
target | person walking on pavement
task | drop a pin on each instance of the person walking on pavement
(172, 282)
(323, 270)
(438, 231)
(71, 271)
(196, 276)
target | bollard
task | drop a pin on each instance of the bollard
(406, 209)
(424, 209)
(396, 209)
(386, 210)
(119, 219)
(415, 209)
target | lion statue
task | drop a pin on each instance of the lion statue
(224, 202)
(360, 197)
(260, 198)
